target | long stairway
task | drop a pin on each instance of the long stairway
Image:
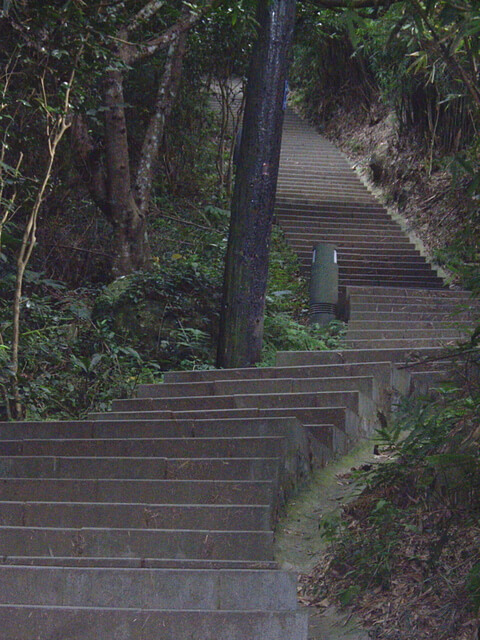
(155, 521)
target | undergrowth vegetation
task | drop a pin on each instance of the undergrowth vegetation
(406, 552)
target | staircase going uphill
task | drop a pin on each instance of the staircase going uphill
(155, 521)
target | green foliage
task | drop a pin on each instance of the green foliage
(168, 313)
(325, 73)
(283, 333)
(422, 57)
(70, 365)
(473, 586)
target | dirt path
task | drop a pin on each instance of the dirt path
(299, 546)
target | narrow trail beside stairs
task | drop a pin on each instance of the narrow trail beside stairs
(155, 521)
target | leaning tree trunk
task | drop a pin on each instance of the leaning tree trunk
(246, 269)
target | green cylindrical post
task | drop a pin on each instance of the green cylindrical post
(323, 284)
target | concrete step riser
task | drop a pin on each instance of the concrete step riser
(387, 269)
(164, 589)
(158, 448)
(97, 429)
(89, 624)
(248, 401)
(407, 334)
(376, 369)
(378, 293)
(293, 228)
(398, 355)
(206, 544)
(331, 208)
(333, 236)
(322, 195)
(295, 219)
(379, 280)
(378, 319)
(128, 491)
(130, 516)
(140, 468)
(85, 562)
(432, 311)
(335, 416)
(413, 343)
(260, 386)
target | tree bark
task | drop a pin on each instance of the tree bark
(246, 269)
(131, 241)
(166, 96)
(125, 200)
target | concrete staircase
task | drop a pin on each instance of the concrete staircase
(155, 521)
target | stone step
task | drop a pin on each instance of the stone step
(231, 447)
(350, 257)
(105, 562)
(324, 185)
(129, 491)
(400, 355)
(341, 419)
(390, 271)
(122, 542)
(379, 293)
(345, 244)
(334, 235)
(163, 589)
(404, 281)
(317, 225)
(431, 308)
(413, 343)
(409, 254)
(439, 331)
(351, 399)
(333, 207)
(327, 216)
(406, 322)
(380, 370)
(259, 385)
(109, 428)
(86, 623)
(375, 319)
(310, 192)
(55, 467)
(68, 515)
(321, 415)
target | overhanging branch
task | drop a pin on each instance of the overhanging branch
(130, 53)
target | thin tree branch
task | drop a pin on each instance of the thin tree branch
(56, 130)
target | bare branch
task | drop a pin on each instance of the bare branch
(56, 128)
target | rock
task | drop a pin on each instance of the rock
(378, 162)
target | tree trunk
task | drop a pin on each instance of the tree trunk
(131, 248)
(246, 269)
